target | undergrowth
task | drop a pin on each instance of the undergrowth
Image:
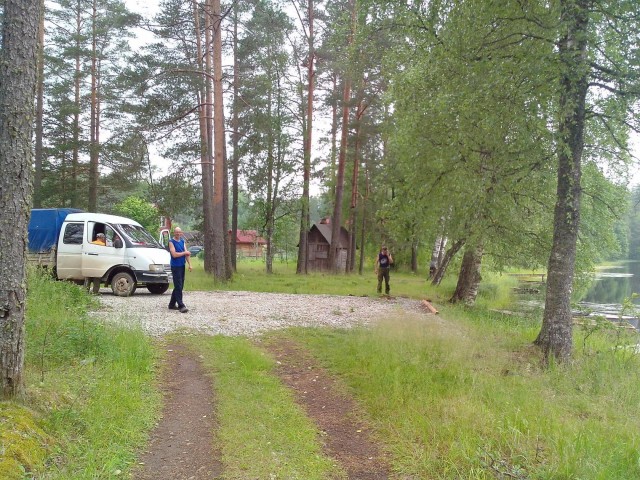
(90, 393)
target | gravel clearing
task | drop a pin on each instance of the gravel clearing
(249, 313)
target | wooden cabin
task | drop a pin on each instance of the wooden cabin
(249, 244)
(319, 241)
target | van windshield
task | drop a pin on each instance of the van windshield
(138, 236)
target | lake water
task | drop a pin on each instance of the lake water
(609, 290)
(610, 287)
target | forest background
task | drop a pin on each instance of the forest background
(445, 120)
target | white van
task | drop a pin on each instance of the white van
(115, 251)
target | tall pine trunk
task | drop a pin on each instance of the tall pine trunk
(18, 58)
(75, 156)
(94, 120)
(556, 336)
(353, 208)
(303, 242)
(336, 221)
(39, 152)
(206, 155)
(235, 138)
(363, 228)
(220, 269)
(334, 134)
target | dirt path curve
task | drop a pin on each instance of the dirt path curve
(346, 437)
(181, 446)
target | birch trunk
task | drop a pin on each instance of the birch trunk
(469, 277)
(556, 336)
(446, 259)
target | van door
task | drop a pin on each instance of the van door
(98, 258)
(69, 256)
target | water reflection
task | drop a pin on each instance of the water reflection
(615, 284)
(604, 297)
(610, 287)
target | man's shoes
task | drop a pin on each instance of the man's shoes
(183, 309)
(173, 307)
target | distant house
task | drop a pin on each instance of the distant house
(249, 244)
(319, 241)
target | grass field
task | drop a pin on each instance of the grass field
(463, 397)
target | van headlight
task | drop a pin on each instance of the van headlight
(156, 267)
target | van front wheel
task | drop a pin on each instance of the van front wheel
(158, 288)
(123, 284)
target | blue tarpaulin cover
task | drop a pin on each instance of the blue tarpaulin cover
(44, 227)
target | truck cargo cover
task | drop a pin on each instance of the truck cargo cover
(44, 227)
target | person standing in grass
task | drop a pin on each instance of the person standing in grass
(382, 268)
(179, 258)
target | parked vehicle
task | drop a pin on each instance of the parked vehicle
(98, 249)
(195, 250)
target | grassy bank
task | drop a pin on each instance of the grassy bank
(251, 276)
(91, 393)
(467, 399)
(461, 396)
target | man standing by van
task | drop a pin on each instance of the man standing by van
(179, 257)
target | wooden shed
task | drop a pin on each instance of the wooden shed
(319, 241)
(249, 244)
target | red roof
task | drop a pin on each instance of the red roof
(249, 237)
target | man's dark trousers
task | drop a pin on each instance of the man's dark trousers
(178, 284)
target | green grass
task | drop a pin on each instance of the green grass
(468, 400)
(251, 276)
(462, 396)
(91, 393)
(262, 432)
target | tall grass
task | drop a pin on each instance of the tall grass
(467, 399)
(90, 388)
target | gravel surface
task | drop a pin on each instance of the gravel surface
(249, 313)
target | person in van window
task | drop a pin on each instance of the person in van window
(179, 258)
(100, 240)
(117, 241)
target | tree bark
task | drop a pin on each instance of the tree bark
(351, 256)
(18, 58)
(235, 163)
(414, 255)
(303, 242)
(442, 269)
(363, 229)
(75, 156)
(219, 171)
(39, 152)
(93, 142)
(336, 221)
(469, 277)
(334, 135)
(206, 160)
(437, 253)
(556, 336)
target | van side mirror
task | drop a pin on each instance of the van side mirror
(117, 243)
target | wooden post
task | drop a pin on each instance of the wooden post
(429, 307)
